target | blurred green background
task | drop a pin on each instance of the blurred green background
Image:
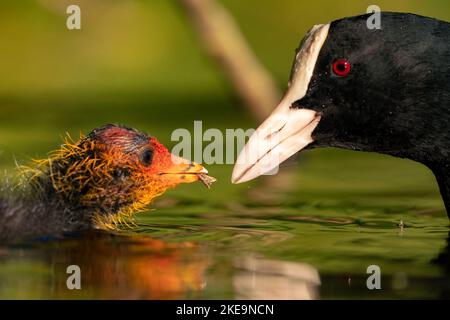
(139, 63)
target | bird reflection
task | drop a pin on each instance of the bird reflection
(259, 278)
(115, 267)
(443, 260)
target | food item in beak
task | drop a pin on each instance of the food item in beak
(207, 180)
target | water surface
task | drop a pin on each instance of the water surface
(271, 239)
(309, 232)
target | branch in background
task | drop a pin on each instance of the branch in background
(225, 43)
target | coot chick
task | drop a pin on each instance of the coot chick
(98, 181)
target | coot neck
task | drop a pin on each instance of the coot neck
(442, 173)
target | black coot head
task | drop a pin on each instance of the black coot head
(383, 90)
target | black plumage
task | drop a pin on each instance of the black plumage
(396, 98)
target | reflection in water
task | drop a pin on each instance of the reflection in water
(443, 259)
(135, 267)
(112, 267)
(139, 267)
(260, 278)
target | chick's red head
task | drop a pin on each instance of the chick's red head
(115, 171)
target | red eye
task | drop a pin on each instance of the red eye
(341, 67)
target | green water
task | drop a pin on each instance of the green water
(309, 232)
